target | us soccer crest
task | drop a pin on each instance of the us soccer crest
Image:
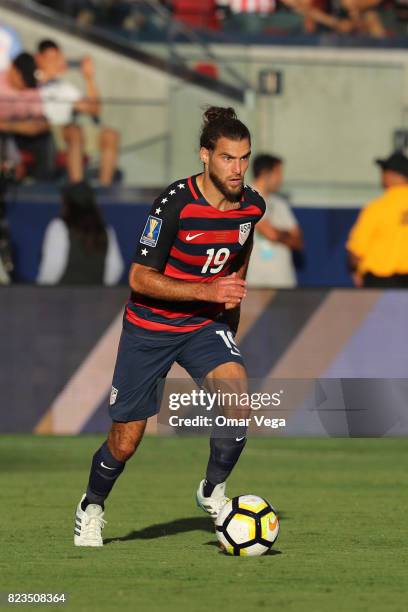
(151, 231)
(244, 230)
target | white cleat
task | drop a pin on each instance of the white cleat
(212, 505)
(88, 525)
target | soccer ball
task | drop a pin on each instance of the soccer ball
(247, 525)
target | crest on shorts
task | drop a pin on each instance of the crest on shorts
(151, 231)
(244, 230)
(113, 396)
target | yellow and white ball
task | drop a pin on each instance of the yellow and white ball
(247, 526)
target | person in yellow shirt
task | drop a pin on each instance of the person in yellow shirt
(378, 242)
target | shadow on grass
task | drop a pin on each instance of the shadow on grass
(183, 525)
(161, 530)
(271, 552)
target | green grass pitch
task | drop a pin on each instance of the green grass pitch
(343, 543)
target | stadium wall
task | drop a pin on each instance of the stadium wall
(59, 347)
(338, 109)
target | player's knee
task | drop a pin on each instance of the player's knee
(123, 450)
(109, 138)
(228, 378)
(72, 133)
(124, 438)
(229, 370)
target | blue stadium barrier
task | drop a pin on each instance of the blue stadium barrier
(323, 262)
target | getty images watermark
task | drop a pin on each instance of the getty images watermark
(227, 408)
(233, 409)
(339, 407)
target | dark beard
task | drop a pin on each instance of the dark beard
(230, 196)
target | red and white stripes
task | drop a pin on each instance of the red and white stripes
(251, 6)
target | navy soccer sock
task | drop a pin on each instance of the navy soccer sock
(105, 470)
(224, 454)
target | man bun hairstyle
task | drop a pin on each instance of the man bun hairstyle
(218, 113)
(219, 122)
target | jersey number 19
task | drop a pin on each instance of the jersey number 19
(216, 259)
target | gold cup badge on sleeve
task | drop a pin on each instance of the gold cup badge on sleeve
(151, 231)
(152, 226)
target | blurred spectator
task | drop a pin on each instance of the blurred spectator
(365, 17)
(378, 242)
(83, 10)
(19, 98)
(10, 46)
(374, 18)
(63, 101)
(342, 16)
(248, 6)
(272, 17)
(21, 119)
(78, 248)
(127, 14)
(201, 14)
(277, 234)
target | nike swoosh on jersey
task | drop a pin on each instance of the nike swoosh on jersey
(188, 237)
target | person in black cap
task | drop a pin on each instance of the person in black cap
(378, 242)
(78, 248)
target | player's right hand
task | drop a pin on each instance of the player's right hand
(227, 290)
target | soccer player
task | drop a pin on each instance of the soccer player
(187, 282)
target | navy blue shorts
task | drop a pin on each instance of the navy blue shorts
(145, 358)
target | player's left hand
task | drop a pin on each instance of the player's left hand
(231, 305)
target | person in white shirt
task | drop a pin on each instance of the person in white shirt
(277, 234)
(78, 249)
(62, 101)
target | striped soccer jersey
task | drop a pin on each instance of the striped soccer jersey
(188, 239)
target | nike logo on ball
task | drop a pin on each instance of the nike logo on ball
(188, 237)
(273, 524)
(105, 466)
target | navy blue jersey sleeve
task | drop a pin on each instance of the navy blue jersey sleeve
(252, 197)
(262, 206)
(258, 201)
(159, 232)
